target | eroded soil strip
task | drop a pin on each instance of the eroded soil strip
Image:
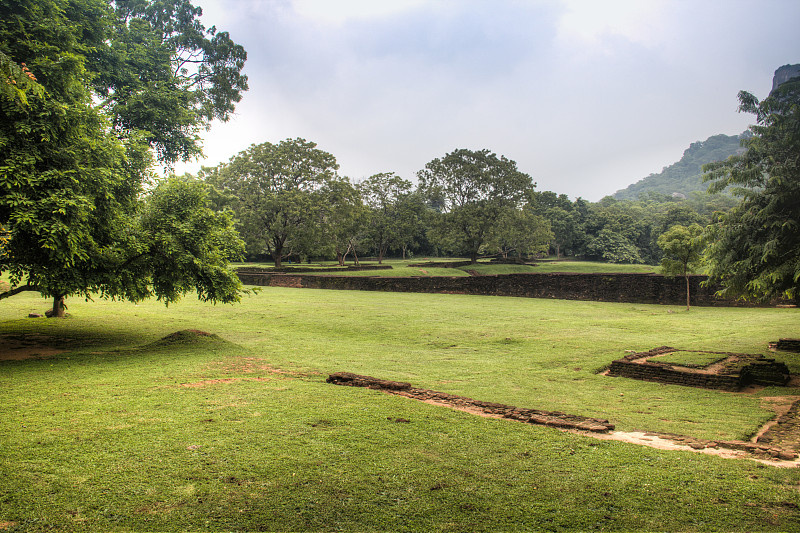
(532, 416)
(601, 429)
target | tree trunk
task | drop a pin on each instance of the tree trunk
(687, 293)
(558, 251)
(355, 257)
(277, 251)
(404, 253)
(59, 309)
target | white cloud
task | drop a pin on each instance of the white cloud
(338, 11)
(587, 97)
(590, 21)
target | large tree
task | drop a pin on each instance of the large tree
(278, 194)
(473, 190)
(754, 249)
(73, 169)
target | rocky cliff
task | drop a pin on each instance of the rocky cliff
(784, 74)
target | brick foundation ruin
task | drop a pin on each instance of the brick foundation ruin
(787, 345)
(732, 372)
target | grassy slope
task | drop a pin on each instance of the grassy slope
(108, 435)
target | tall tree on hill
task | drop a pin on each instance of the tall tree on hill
(78, 135)
(754, 250)
(474, 190)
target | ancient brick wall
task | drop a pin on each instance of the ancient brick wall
(629, 288)
(661, 374)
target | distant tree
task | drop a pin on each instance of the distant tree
(343, 221)
(473, 191)
(680, 214)
(382, 194)
(612, 247)
(754, 249)
(565, 227)
(521, 232)
(277, 191)
(410, 223)
(683, 251)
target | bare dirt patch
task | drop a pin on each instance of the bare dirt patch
(220, 381)
(21, 347)
(248, 365)
(236, 367)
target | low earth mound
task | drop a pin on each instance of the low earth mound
(188, 337)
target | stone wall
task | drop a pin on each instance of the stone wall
(747, 369)
(660, 374)
(629, 288)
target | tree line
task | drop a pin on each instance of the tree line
(291, 204)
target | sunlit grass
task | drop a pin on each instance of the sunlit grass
(126, 432)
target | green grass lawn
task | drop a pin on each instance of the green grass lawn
(125, 432)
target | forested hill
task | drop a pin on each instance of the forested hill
(685, 176)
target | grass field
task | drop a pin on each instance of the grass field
(125, 431)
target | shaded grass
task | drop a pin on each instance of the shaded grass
(588, 267)
(126, 432)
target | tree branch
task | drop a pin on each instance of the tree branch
(22, 288)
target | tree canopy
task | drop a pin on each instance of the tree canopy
(74, 165)
(385, 195)
(472, 190)
(754, 249)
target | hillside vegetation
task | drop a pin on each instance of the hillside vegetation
(685, 176)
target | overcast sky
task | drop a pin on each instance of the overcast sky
(587, 96)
